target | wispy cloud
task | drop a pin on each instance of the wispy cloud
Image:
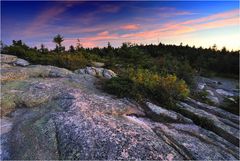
(130, 27)
(169, 29)
(118, 22)
(44, 22)
(215, 17)
(43, 19)
(71, 41)
(210, 22)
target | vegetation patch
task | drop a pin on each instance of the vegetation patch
(142, 84)
(160, 73)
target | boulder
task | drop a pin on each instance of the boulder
(99, 72)
(21, 62)
(108, 74)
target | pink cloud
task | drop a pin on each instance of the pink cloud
(214, 17)
(72, 41)
(130, 27)
(172, 29)
(101, 37)
(218, 24)
(92, 41)
(89, 44)
(165, 30)
(104, 33)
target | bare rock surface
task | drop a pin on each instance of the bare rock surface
(50, 113)
(8, 58)
(196, 142)
(218, 89)
(97, 71)
(219, 125)
(223, 92)
(13, 60)
(167, 115)
(214, 110)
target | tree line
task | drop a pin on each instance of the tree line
(166, 58)
(160, 73)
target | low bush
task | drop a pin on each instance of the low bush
(181, 68)
(67, 60)
(142, 84)
(121, 87)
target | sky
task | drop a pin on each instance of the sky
(95, 23)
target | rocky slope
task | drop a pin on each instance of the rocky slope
(52, 113)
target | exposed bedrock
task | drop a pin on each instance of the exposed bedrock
(52, 113)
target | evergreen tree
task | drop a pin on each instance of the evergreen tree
(58, 39)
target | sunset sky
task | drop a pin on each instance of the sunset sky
(199, 23)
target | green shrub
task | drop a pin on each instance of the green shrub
(72, 61)
(64, 60)
(181, 68)
(120, 86)
(142, 84)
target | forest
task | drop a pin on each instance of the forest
(160, 73)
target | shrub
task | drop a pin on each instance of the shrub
(65, 60)
(120, 86)
(72, 61)
(142, 84)
(171, 65)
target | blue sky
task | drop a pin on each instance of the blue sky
(199, 23)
